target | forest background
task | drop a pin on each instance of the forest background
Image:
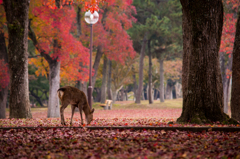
(137, 50)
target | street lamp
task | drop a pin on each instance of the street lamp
(91, 19)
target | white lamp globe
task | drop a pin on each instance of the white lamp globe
(91, 18)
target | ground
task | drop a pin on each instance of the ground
(42, 142)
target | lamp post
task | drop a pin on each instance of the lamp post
(91, 19)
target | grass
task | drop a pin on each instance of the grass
(174, 103)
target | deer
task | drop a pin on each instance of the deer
(77, 98)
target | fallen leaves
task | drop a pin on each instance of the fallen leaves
(82, 143)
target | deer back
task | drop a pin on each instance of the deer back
(71, 95)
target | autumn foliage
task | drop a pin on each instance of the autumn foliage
(229, 26)
(52, 24)
(110, 32)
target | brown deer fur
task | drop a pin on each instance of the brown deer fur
(75, 97)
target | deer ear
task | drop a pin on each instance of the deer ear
(92, 110)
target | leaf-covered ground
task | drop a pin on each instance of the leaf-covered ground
(68, 142)
(84, 143)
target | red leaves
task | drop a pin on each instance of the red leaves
(82, 143)
(92, 6)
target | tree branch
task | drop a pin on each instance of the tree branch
(32, 36)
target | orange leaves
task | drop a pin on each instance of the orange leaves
(173, 69)
(41, 64)
(92, 6)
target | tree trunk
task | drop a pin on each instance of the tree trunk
(109, 92)
(202, 83)
(104, 82)
(81, 85)
(225, 68)
(115, 92)
(134, 84)
(143, 95)
(54, 85)
(38, 99)
(150, 99)
(161, 81)
(178, 88)
(235, 102)
(96, 64)
(140, 84)
(17, 17)
(169, 91)
(3, 91)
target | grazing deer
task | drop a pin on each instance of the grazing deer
(75, 97)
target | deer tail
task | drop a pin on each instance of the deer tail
(60, 92)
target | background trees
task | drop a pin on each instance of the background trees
(4, 71)
(59, 37)
(226, 47)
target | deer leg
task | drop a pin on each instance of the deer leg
(64, 105)
(73, 108)
(80, 110)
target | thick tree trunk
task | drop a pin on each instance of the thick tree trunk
(150, 99)
(3, 91)
(104, 80)
(140, 84)
(202, 83)
(235, 96)
(54, 85)
(161, 81)
(17, 17)
(109, 80)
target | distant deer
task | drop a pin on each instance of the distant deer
(75, 97)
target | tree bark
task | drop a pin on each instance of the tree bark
(169, 91)
(225, 78)
(134, 83)
(3, 91)
(115, 92)
(235, 96)
(104, 82)
(178, 88)
(161, 81)
(109, 77)
(202, 83)
(96, 64)
(150, 95)
(54, 85)
(81, 85)
(140, 84)
(17, 18)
